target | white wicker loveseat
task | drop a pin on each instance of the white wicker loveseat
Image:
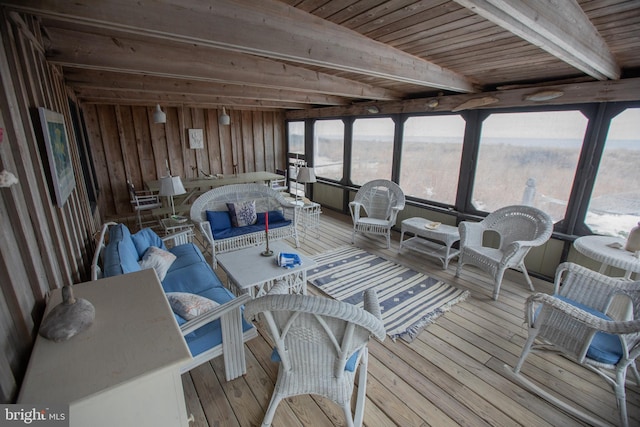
(282, 217)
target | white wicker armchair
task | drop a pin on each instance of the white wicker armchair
(319, 342)
(380, 201)
(518, 228)
(575, 322)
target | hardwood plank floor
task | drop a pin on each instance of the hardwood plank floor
(451, 374)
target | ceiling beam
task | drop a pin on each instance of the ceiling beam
(165, 59)
(111, 96)
(560, 27)
(267, 28)
(107, 80)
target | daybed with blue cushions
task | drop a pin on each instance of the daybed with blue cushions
(209, 316)
(232, 217)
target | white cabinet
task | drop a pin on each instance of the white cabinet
(124, 369)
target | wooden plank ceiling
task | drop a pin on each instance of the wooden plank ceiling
(300, 54)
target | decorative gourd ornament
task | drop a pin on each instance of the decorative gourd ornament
(633, 241)
(68, 318)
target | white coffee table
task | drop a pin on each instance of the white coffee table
(446, 234)
(248, 271)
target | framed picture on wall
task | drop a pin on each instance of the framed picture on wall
(56, 142)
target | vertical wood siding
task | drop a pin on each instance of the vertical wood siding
(42, 246)
(127, 145)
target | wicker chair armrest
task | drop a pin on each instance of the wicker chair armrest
(354, 208)
(471, 233)
(178, 238)
(371, 303)
(216, 313)
(589, 320)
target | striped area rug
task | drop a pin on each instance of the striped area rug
(409, 300)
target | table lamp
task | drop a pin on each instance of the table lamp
(171, 186)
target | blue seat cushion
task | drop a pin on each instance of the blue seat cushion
(193, 279)
(186, 255)
(210, 335)
(604, 348)
(120, 255)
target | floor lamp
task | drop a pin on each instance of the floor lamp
(171, 186)
(306, 175)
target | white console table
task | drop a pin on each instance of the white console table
(122, 371)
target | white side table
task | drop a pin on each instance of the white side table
(446, 234)
(609, 251)
(124, 370)
(309, 217)
(171, 226)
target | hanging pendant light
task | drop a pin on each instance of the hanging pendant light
(224, 118)
(159, 116)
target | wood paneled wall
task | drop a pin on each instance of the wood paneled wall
(42, 246)
(127, 145)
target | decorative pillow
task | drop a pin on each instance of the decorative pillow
(242, 213)
(219, 221)
(189, 306)
(146, 238)
(158, 259)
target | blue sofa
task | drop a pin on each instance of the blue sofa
(188, 273)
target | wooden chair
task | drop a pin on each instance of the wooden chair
(375, 208)
(582, 321)
(143, 202)
(518, 229)
(320, 343)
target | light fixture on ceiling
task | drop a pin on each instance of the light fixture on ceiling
(543, 95)
(159, 116)
(224, 118)
(372, 109)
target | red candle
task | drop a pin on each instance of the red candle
(266, 221)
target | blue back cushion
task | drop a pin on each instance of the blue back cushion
(274, 217)
(145, 238)
(120, 255)
(220, 221)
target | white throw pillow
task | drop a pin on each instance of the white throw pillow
(189, 306)
(158, 259)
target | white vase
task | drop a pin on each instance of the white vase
(633, 241)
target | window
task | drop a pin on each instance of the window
(528, 158)
(372, 153)
(296, 137)
(615, 202)
(328, 145)
(431, 153)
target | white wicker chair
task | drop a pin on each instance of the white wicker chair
(518, 228)
(316, 340)
(380, 200)
(572, 323)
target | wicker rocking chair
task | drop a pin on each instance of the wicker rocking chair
(578, 322)
(319, 343)
(519, 228)
(380, 201)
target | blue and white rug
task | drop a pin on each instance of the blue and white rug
(409, 300)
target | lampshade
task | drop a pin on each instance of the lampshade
(171, 186)
(224, 118)
(306, 175)
(159, 116)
